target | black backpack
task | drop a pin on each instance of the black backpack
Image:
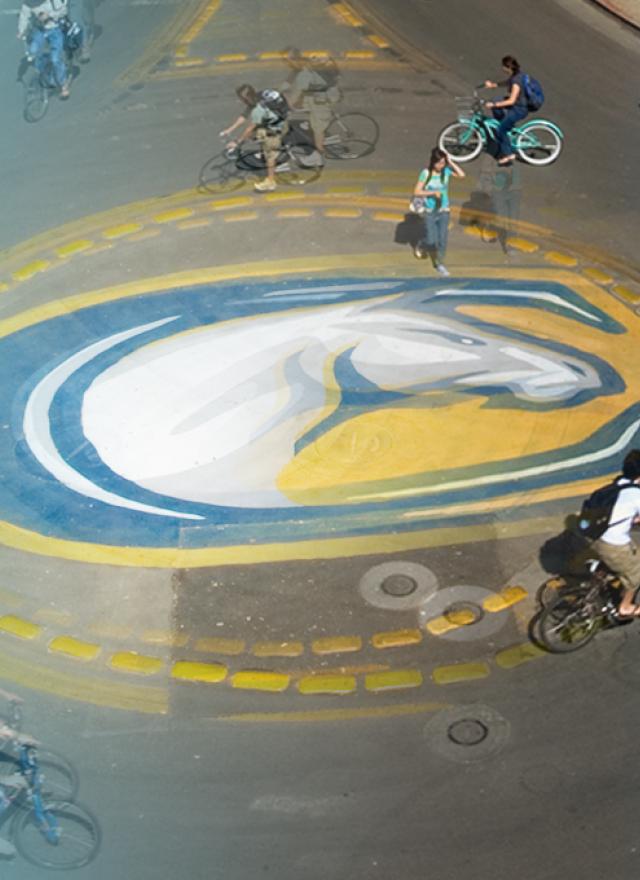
(596, 510)
(275, 101)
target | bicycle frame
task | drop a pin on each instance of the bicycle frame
(487, 126)
(31, 792)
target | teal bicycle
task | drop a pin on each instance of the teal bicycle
(535, 141)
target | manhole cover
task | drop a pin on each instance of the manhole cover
(468, 732)
(463, 613)
(399, 585)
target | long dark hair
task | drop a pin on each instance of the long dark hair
(511, 63)
(436, 155)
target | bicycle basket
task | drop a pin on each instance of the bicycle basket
(465, 108)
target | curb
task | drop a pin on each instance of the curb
(621, 11)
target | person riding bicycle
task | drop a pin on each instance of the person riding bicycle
(313, 86)
(269, 126)
(249, 97)
(510, 110)
(40, 22)
(14, 780)
(615, 547)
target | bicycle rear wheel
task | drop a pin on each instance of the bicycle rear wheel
(351, 136)
(36, 98)
(538, 144)
(568, 624)
(69, 838)
(219, 175)
(303, 165)
(461, 140)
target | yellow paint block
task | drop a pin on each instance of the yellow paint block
(336, 644)
(229, 204)
(261, 681)
(174, 214)
(522, 244)
(278, 649)
(397, 638)
(504, 599)
(30, 270)
(131, 661)
(393, 679)
(597, 275)
(220, 646)
(18, 626)
(122, 230)
(164, 637)
(327, 683)
(460, 672)
(515, 656)
(210, 673)
(560, 259)
(75, 648)
(626, 293)
(74, 247)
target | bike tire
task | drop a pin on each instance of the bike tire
(77, 840)
(220, 174)
(60, 780)
(461, 140)
(567, 624)
(251, 158)
(538, 144)
(303, 165)
(36, 98)
(351, 136)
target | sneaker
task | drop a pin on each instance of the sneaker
(419, 253)
(64, 91)
(85, 55)
(7, 849)
(442, 270)
(265, 185)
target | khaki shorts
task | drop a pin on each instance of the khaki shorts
(623, 559)
(320, 113)
(271, 142)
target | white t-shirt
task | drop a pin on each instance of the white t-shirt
(626, 508)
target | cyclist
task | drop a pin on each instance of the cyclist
(433, 189)
(615, 547)
(510, 110)
(40, 21)
(314, 88)
(269, 127)
(14, 780)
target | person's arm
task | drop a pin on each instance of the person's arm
(508, 102)
(238, 122)
(251, 127)
(422, 192)
(456, 170)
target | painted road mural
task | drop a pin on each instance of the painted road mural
(231, 413)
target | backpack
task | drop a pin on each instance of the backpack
(596, 510)
(327, 70)
(533, 93)
(275, 101)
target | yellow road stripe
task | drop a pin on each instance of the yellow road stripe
(261, 681)
(327, 683)
(522, 244)
(388, 217)
(380, 42)
(293, 213)
(344, 213)
(121, 230)
(209, 673)
(140, 664)
(227, 204)
(397, 638)
(189, 62)
(74, 247)
(220, 646)
(360, 54)
(460, 672)
(198, 223)
(515, 656)
(278, 649)
(452, 620)
(626, 293)
(394, 679)
(504, 599)
(597, 275)
(238, 56)
(336, 644)
(175, 214)
(560, 259)
(246, 215)
(18, 626)
(30, 270)
(4, 287)
(75, 648)
(324, 715)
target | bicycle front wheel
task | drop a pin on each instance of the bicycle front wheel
(351, 136)
(303, 165)
(59, 778)
(68, 837)
(219, 175)
(538, 144)
(36, 98)
(461, 140)
(567, 624)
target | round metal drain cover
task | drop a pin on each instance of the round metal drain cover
(399, 585)
(466, 734)
(463, 613)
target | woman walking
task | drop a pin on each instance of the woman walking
(433, 189)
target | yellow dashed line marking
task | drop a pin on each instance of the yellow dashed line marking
(460, 672)
(397, 638)
(360, 54)
(175, 214)
(74, 247)
(598, 275)
(348, 15)
(523, 244)
(52, 616)
(343, 213)
(236, 56)
(164, 637)
(210, 673)
(271, 56)
(278, 649)
(75, 648)
(380, 42)
(282, 196)
(189, 62)
(110, 631)
(480, 232)
(626, 293)
(261, 681)
(388, 216)
(214, 645)
(504, 599)
(294, 213)
(316, 53)
(121, 230)
(200, 21)
(131, 661)
(336, 644)
(181, 51)
(394, 679)
(18, 626)
(346, 190)
(325, 683)
(560, 259)
(227, 204)
(450, 621)
(515, 656)
(198, 223)
(3, 287)
(240, 217)
(30, 270)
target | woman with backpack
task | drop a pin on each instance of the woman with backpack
(510, 110)
(432, 191)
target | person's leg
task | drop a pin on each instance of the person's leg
(625, 562)
(431, 236)
(56, 45)
(442, 226)
(507, 122)
(34, 47)
(270, 150)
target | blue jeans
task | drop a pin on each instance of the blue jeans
(436, 234)
(56, 45)
(508, 119)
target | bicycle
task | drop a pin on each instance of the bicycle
(572, 615)
(55, 834)
(535, 141)
(39, 79)
(297, 164)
